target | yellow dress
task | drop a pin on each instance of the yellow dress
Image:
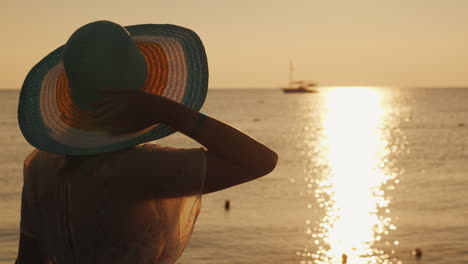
(112, 208)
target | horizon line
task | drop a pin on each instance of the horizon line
(319, 86)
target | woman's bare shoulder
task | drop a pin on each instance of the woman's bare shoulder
(38, 158)
(40, 170)
(144, 155)
(31, 157)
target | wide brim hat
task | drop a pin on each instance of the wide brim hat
(176, 69)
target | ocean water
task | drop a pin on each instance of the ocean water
(365, 175)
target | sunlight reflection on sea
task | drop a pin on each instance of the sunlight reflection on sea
(349, 178)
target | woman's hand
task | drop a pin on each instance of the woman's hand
(127, 111)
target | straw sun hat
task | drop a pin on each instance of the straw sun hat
(58, 92)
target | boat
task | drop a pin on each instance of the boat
(298, 86)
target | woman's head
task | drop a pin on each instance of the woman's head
(100, 55)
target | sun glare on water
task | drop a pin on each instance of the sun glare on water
(353, 153)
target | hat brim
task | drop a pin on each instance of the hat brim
(177, 67)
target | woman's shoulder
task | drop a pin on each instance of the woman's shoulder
(39, 158)
(148, 152)
(150, 149)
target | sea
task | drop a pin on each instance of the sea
(365, 175)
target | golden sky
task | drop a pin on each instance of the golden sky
(250, 42)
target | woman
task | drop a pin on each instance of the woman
(92, 193)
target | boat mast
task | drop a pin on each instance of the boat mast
(291, 70)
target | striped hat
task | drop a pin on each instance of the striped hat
(57, 94)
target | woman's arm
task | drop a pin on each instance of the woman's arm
(232, 156)
(29, 251)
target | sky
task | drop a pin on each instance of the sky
(250, 43)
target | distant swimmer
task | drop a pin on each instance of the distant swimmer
(344, 259)
(417, 253)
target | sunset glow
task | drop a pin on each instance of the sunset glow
(250, 43)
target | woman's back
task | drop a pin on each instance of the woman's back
(94, 210)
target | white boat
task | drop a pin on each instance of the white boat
(301, 87)
(298, 86)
